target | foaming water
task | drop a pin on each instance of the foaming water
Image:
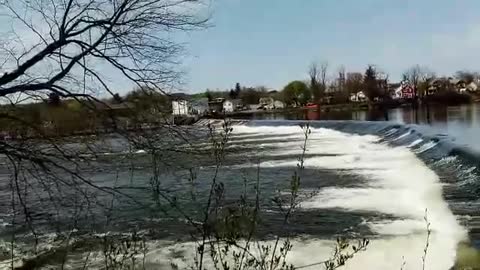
(402, 136)
(414, 143)
(426, 147)
(399, 184)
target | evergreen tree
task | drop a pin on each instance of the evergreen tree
(370, 83)
(237, 89)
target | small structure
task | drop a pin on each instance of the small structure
(183, 105)
(231, 105)
(358, 97)
(403, 91)
(472, 87)
(457, 84)
(463, 87)
(216, 105)
(180, 104)
(407, 91)
(277, 104)
(266, 101)
(437, 85)
(180, 107)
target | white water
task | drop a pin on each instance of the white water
(400, 185)
(414, 143)
(426, 147)
(402, 136)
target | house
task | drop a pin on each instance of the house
(180, 107)
(437, 85)
(216, 105)
(407, 91)
(392, 89)
(232, 105)
(358, 97)
(266, 101)
(472, 87)
(277, 104)
(397, 92)
(180, 104)
(184, 105)
(460, 85)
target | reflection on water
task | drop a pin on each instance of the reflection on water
(469, 115)
(460, 122)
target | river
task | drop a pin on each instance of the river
(367, 174)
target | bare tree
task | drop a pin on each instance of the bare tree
(354, 82)
(314, 74)
(65, 46)
(341, 78)
(323, 74)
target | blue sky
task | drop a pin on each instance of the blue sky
(271, 42)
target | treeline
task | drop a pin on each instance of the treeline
(325, 87)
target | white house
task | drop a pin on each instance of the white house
(278, 104)
(180, 107)
(358, 97)
(472, 87)
(231, 105)
(397, 94)
(228, 106)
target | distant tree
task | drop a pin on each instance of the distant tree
(54, 99)
(370, 83)
(297, 92)
(238, 88)
(232, 94)
(235, 93)
(318, 80)
(412, 76)
(251, 95)
(341, 80)
(315, 88)
(148, 100)
(466, 76)
(117, 98)
(208, 95)
(382, 82)
(354, 82)
(416, 75)
(425, 84)
(323, 76)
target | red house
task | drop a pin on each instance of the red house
(408, 91)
